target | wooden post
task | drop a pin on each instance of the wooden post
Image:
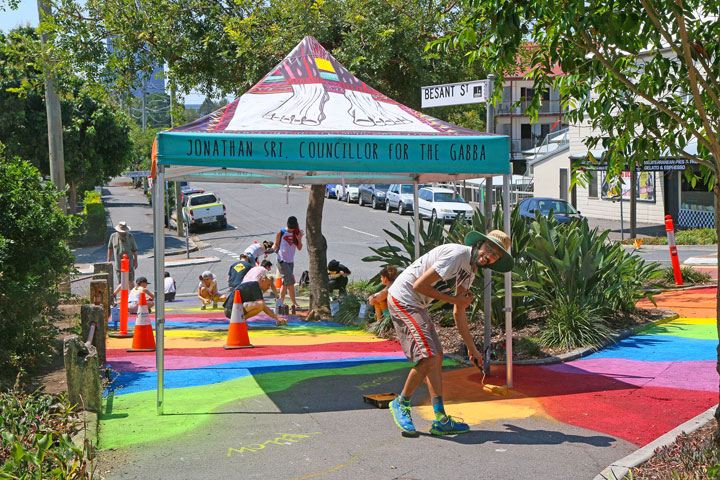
(99, 295)
(90, 314)
(105, 267)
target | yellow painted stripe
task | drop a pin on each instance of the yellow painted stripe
(693, 321)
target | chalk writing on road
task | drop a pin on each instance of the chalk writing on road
(377, 382)
(282, 439)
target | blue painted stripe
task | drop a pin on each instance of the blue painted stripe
(660, 348)
(132, 382)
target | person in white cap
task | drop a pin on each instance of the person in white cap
(208, 290)
(122, 242)
(447, 269)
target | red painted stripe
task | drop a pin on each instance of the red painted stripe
(417, 328)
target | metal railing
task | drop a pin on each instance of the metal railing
(519, 107)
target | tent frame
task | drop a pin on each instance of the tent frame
(227, 175)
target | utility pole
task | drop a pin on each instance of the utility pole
(54, 118)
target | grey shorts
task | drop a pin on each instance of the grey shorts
(286, 271)
(415, 331)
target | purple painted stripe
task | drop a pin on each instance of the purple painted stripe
(691, 375)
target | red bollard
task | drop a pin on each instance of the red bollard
(670, 229)
(124, 294)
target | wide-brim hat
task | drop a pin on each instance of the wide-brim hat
(122, 227)
(505, 263)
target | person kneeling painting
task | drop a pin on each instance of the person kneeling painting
(208, 290)
(251, 294)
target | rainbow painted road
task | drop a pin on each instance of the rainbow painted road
(636, 390)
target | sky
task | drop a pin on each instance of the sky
(27, 13)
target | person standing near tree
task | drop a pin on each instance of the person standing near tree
(121, 243)
(287, 241)
(408, 300)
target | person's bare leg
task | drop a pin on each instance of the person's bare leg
(434, 377)
(418, 374)
(283, 291)
(291, 289)
(252, 309)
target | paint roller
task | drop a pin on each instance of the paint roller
(489, 388)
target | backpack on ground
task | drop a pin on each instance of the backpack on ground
(305, 279)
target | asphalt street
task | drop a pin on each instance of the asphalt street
(257, 212)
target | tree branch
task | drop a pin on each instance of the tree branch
(633, 88)
(715, 146)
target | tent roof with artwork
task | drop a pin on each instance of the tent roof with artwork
(310, 121)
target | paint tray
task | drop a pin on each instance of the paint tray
(380, 400)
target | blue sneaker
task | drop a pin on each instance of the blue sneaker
(450, 427)
(401, 414)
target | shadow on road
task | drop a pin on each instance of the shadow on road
(515, 435)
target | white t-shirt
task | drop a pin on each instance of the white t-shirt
(449, 261)
(253, 274)
(169, 285)
(213, 285)
(256, 249)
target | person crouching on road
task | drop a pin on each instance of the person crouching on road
(256, 249)
(379, 299)
(170, 287)
(251, 294)
(208, 290)
(134, 295)
(408, 300)
(338, 275)
(288, 240)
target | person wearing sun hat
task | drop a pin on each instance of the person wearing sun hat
(408, 300)
(122, 242)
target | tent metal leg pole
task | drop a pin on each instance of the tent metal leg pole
(416, 217)
(159, 240)
(487, 280)
(508, 286)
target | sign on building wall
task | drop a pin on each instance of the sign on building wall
(613, 188)
(454, 94)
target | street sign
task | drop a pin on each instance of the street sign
(454, 94)
(137, 173)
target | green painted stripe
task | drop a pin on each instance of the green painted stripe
(688, 330)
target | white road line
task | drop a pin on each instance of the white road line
(360, 231)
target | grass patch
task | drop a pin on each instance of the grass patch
(693, 236)
(690, 276)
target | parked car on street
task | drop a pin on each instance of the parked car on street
(349, 193)
(204, 209)
(441, 203)
(330, 190)
(372, 194)
(563, 210)
(400, 197)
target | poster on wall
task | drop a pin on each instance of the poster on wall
(645, 186)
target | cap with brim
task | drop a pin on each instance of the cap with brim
(140, 280)
(504, 264)
(207, 274)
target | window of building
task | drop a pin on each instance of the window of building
(593, 184)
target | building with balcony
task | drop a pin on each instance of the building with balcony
(511, 117)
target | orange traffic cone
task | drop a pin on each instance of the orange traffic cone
(278, 282)
(237, 333)
(143, 339)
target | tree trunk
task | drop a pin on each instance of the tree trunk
(317, 254)
(716, 189)
(73, 198)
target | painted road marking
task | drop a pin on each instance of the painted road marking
(360, 231)
(283, 439)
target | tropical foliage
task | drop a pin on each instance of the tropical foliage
(33, 256)
(567, 274)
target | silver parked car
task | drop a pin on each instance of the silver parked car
(400, 197)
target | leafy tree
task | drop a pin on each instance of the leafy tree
(95, 134)
(225, 48)
(33, 255)
(643, 74)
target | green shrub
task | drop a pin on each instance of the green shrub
(349, 309)
(35, 441)
(33, 257)
(94, 213)
(696, 236)
(381, 327)
(689, 276)
(572, 324)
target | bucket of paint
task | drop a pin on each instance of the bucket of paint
(115, 314)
